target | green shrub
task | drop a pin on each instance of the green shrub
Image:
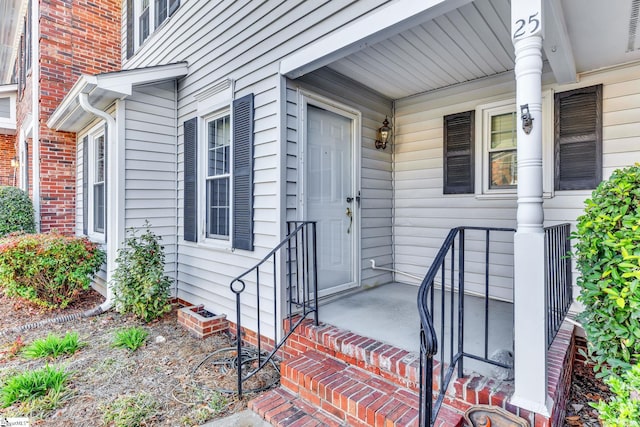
(623, 410)
(53, 346)
(139, 284)
(131, 338)
(48, 269)
(16, 211)
(30, 385)
(608, 258)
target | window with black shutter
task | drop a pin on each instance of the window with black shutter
(578, 139)
(458, 153)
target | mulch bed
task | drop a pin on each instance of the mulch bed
(585, 389)
(167, 368)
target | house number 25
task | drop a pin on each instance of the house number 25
(523, 27)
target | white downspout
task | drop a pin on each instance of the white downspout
(112, 198)
(35, 108)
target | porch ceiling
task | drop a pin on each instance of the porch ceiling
(473, 41)
(11, 12)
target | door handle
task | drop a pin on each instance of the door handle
(350, 215)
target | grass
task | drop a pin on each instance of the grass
(129, 411)
(52, 346)
(131, 338)
(30, 385)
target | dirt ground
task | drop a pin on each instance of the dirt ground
(164, 369)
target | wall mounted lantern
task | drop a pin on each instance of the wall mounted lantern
(527, 120)
(383, 135)
(14, 162)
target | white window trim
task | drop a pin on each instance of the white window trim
(483, 137)
(203, 158)
(152, 21)
(93, 134)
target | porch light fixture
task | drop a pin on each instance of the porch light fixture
(383, 134)
(14, 162)
(527, 120)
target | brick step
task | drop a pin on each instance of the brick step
(392, 363)
(283, 409)
(353, 396)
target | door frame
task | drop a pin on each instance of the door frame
(305, 98)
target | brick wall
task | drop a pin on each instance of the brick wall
(76, 37)
(7, 152)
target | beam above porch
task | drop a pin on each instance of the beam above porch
(373, 28)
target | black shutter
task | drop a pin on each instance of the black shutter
(578, 139)
(85, 185)
(243, 173)
(130, 29)
(190, 180)
(458, 153)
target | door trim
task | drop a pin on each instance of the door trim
(305, 98)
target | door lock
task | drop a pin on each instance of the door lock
(349, 199)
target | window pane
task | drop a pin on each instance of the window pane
(219, 139)
(98, 208)
(504, 169)
(161, 11)
(99, 158)
(503, 131)
(218, 207)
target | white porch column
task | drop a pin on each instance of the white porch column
(529, 294)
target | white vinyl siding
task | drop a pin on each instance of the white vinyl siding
(423, 215)
(216, 38)
(150, 164)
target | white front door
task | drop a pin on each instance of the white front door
(331, 193)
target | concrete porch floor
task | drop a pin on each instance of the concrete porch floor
(389, 313)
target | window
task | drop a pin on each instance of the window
(94, 160)
(143, 21)
(578, 139)
(144, 17)
(217, 177)
(224, 187)
(98, 183)
(502, 155)
(571, 145)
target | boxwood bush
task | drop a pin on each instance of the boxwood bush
(49, 269)
(608, 257)
(16, 211)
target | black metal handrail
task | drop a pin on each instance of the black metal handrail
(558, 280)
(428, 334)
(302, 297)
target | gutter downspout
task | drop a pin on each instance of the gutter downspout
(112, 167)
(35, 108)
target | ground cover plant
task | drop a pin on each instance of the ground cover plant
(52, 346)
(130, 411)
(130, 338)
(30, 385)
(48, 269)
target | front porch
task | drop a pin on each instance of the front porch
(334, 375)
(389, 314)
